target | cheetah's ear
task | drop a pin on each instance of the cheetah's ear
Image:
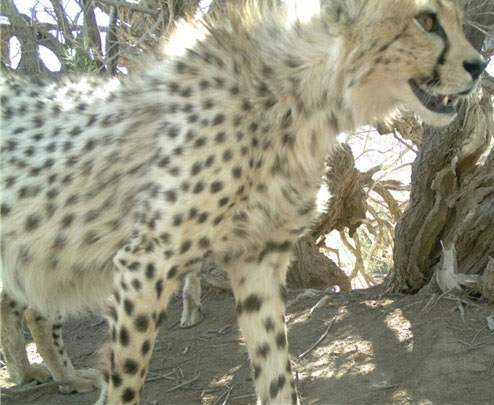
(343, 11)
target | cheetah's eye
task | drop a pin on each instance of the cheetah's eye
(428, 22)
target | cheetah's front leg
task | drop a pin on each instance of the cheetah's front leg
(14, 347)
(143, 286)
(49, 342)
(259, 291)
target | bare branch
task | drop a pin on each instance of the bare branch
(135, 7)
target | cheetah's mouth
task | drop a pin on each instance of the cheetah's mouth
(442, 104)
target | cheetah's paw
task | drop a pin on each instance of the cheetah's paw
(84, 381)
(34, 372)
(191, 317)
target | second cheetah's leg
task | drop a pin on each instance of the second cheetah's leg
(259, 290)
(192, 309)
(144, 284)
(14, 346)
(49, 342)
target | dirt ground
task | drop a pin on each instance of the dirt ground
(361, 347)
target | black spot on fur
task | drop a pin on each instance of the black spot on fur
(141, 323)
(216, 186)
(165, 237)
(203, 217)
(218, 220)
(160, 318)
(199, 187)
(174, 171)
(196, 168)
(150, 271)
(164, 162)
(187, 92)
(281, 340)
(269, 324)
(128, 395)
(91, 238)
(113, 314)
(204, 243)
(171, 196)
(67, 220)
(124, 337)
(275, 247)
(220, 137)
(237, 172)
(251, 304)
(200, 142)
(209, 161)
(32, 222)
(159, 287)
(185, 246)
(223, 201)
(60, 242)
(218, 119)
(172, 272)
(130, 366)
(128, 306)
(180, 67)
(136, 284)
(116, 380)
(134, 266)
(177, 220)
(227, 155)
(193, 213)
(208, 104)
(257, 371)
(276, 385)
(146, 346)
(263, 350)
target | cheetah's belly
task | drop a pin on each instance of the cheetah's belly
(66, 273)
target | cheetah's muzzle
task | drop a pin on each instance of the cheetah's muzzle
(442, 104)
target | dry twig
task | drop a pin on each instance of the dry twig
(321, 338)
(184, 383)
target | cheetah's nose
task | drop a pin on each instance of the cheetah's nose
(475, 67)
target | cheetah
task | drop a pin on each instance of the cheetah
(213, 153)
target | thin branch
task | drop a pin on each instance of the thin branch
(119, 3)
(140, 40)
(183, 384)
(321, 338)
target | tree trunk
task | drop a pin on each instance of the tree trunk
(452, 196)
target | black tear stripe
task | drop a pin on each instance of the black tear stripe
(442, 57)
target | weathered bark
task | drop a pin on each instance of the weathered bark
(344, 210)
(347, 206)
(312, 269)
(452, 196)
(26, 33)
(142, 26)
(452, 201)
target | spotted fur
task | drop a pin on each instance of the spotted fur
(212, 153)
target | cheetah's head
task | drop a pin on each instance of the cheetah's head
(418, 57)
(456, 71)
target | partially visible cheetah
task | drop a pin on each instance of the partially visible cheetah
(213, 153)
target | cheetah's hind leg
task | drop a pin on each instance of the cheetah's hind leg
(14, 346)
(258, 287)
(192, 311)
(49, 342)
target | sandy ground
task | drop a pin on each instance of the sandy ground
(361, 347)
